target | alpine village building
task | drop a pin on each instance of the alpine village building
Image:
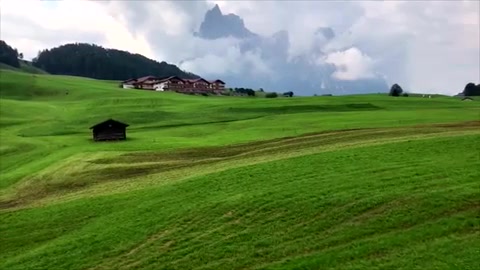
(176, 84)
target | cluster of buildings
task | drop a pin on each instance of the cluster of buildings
(176, 84)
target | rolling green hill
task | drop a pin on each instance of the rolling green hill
(24, 67)
(350, 182)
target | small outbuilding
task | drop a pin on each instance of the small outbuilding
(109, 130)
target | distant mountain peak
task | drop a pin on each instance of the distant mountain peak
(216, 10)
(217, 25)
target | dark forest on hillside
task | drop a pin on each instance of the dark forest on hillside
(9, 55)
(88, 60)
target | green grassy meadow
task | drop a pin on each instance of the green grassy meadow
(347, 182)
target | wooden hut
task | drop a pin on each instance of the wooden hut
(109, 130)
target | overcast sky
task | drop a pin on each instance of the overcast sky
(426, 46)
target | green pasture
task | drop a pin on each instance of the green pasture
(339, 182)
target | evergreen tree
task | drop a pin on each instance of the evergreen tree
(396, 90)
(472, 90)
(8, 55)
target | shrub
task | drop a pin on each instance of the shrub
(271, 95)
(472, 90)
(288, 94)
(405, 94)
(396, 90)
(250, 92)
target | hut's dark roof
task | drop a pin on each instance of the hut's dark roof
(109, 121)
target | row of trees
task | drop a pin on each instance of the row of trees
(244, 91)
(251, 92)
(470, 90)
(89, 60)
(274, 95)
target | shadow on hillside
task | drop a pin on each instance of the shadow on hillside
(200, 123)
(266, 111)
(309, 108)
(111, 142)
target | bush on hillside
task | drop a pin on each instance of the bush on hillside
(8, 55)
(288, 94)
(395, 90)
(271, 95)
(471, 89)
(247, 91)
(405, 94)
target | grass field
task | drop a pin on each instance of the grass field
(350, 182)
(25, 66)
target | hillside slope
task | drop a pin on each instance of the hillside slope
(349, 182)
(25, 66)
(87, 60)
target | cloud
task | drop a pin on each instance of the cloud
(300, 18)
(422, 45)
(351, 65)
(31, 26)
(229, 62)
(172, 18)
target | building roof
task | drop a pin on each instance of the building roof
(109, 122)
(217, 80)
(196, 80)
(160, 80)
(157, 79)
(175, 77)
(129, 80)
(146, 78)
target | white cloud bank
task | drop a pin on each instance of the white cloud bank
(232, 62)
(351, 65)
(426, 46)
